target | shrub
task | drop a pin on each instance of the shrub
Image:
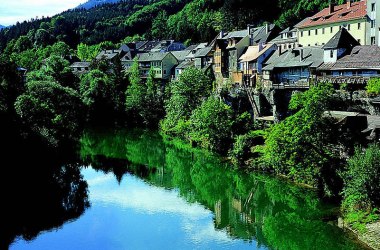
(373, 86)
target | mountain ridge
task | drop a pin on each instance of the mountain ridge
(93, 3)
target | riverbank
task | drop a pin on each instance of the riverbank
(371, 236)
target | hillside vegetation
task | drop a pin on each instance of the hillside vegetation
(186, 20)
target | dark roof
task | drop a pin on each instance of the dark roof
(181, 55)
(185, 65)
(152, 56)
(361, 57)
(236, 34)
(261, 34)
(108, 54)
(342, 39)
(148, 46)
(203, 52)
(311, 57)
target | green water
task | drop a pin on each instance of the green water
(253, 210)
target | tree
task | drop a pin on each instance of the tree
(301, 146)
(185, 95)
(87, 53)
(51, 111)
(135, 93)
(99, 94)
(159, 25)
(210, 125)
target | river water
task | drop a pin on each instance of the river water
(131, 190)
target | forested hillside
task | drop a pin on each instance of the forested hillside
(186, 20)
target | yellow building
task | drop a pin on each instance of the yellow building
(358, 18)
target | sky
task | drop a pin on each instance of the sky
(12, 11)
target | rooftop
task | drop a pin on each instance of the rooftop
(361, 57)
(340, 13)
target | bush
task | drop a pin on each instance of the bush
(362, 180)
(210, 125)
(373, 86)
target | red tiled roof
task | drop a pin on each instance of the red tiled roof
(340, 14)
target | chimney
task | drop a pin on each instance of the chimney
(331, 7)
(267, 28)
(348, 4)
(249, 28)
(301, 55)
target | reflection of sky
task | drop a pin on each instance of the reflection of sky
(135, 215)
(12, 11)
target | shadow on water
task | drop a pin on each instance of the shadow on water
(253, 207)
(39, 191)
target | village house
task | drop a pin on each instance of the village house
(293, 69)
(80, 67)
(168, 45)
(162, 64)
(359, 18)
(230, 47)
(347, 62)
(204, 58)
(251, 62)
(286, 40)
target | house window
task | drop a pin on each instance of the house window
(373, 23)
(301, 33)
(323, 30)
(349, 27)
(165, 72)
(331, 54)
(331, 29)
(309, 33)
(359, 24)
(373, 40)
(373, 7)
(316, 31)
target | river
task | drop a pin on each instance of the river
(131, 190)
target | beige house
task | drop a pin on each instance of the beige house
(359, 18)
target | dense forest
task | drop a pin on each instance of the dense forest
(185, 20)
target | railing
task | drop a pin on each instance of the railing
(345, 79)
(296, 85)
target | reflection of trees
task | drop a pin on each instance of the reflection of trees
(38, 193)
(250, 207)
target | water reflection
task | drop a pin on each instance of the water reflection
(39, 191)
(255, 208)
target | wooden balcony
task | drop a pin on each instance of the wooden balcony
(296, 85)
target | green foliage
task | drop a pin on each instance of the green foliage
(210, 125)
(300, 146)
(373, 86)
(144, 102)
(87, 53)
(362, 185)
(11, 86)
(99, 94)
(244, 147)
(159, 25)
(186, 94)
(51, 111)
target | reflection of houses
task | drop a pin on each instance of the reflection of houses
(162, 64)
(80, 67)
(252, 61)
(346, 62)
(295, 68)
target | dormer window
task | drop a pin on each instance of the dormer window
(331, 53)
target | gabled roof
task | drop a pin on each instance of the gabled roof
(236, 34)
(342, 39)
(108, 54)
(361, 57)
(261, 34)
(181, 55)
(300, 57)
(148, 46)
(340, 13)
(185, 65)
(152, 56)
(254, 52)
(203, 52)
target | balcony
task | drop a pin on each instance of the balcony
(346, 79)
